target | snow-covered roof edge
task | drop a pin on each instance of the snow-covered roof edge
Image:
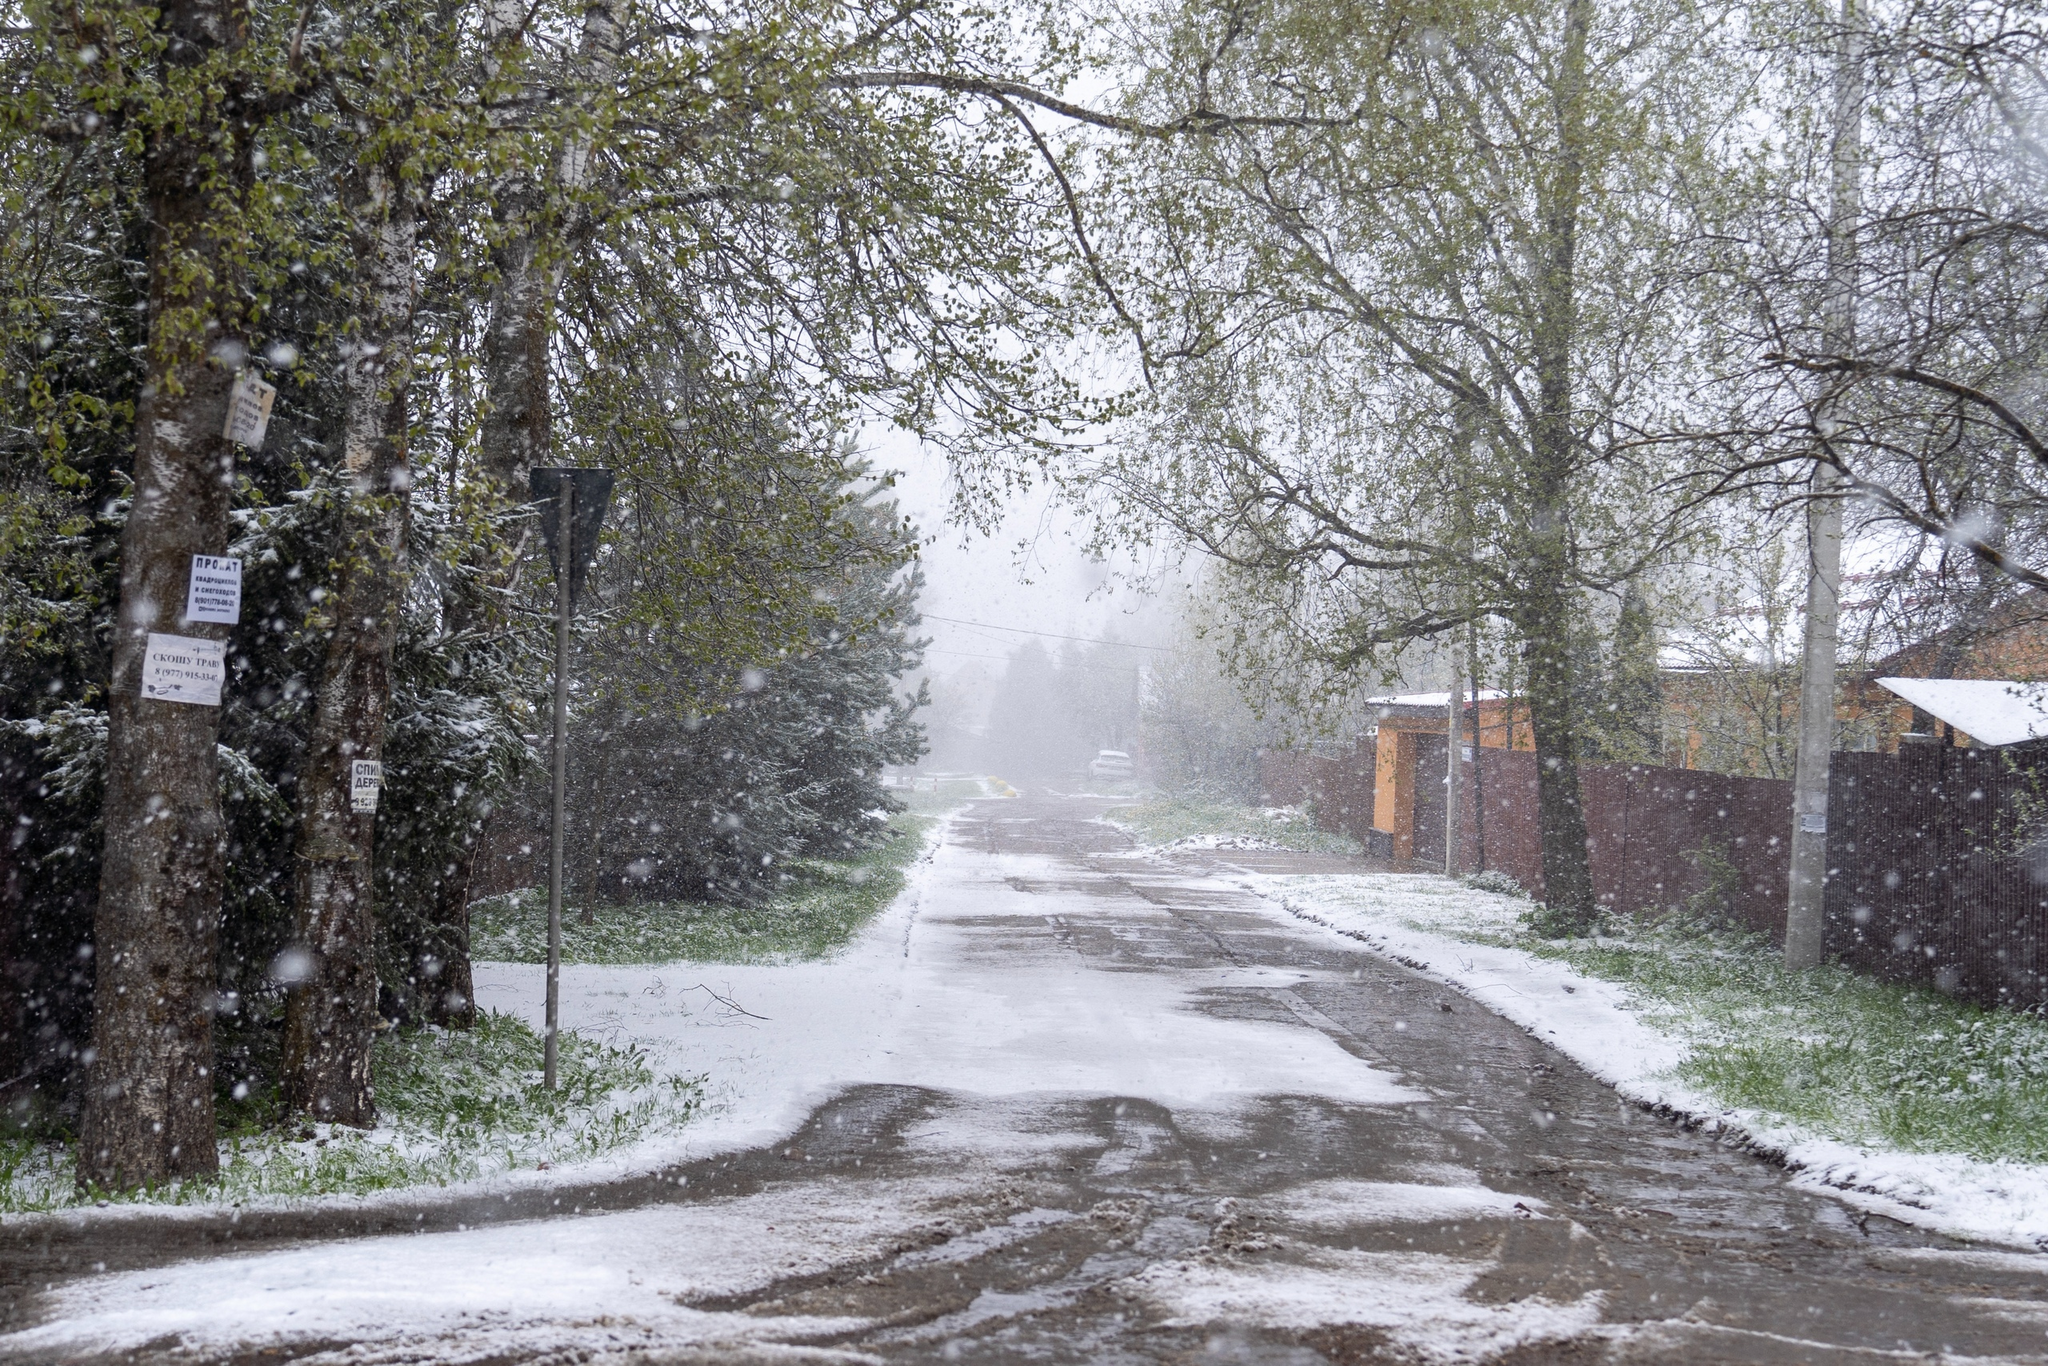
(1992, 711)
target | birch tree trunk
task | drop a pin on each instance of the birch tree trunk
(534, 215)
(331, 1017)
(148, 1108)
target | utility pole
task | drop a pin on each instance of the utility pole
(1805, 910)
(573, 503)
(1478, 750)
(1454, 713)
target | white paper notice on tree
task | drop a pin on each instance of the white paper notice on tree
(365, 781)
(249, 410)
(184, 669)
(214, 592)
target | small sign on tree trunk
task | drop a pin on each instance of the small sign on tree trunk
(184, 669)
(214, 592)
(249, 410)
(365, 783)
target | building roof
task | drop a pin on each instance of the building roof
(1989, 710)
(1439, 700)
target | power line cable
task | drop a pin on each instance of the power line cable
(1049, 635)
(1099, 668)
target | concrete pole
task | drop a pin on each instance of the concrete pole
(1454, 712)
(1478, 751)
(1805, 910)
(565, 543)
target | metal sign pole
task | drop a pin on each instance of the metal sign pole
(566, 513)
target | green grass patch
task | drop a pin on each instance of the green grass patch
(1178, 818)
(818, 911)
(453, 1106)
(1829, 1050)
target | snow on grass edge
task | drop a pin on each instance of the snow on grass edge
(1600, 1026)
(545, 1160)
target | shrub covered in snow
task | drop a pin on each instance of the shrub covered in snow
(1494, 880)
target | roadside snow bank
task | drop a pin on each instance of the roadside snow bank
(1461, 936)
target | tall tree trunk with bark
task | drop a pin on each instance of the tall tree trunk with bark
(517, 429)
(331, 1016)
(512, 427)
(1549, 606)
(535, 215)
(148, 1108)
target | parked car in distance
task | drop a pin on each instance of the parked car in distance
(1111, 763)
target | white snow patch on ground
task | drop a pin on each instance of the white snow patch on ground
(1343, 1204)
(543, 1286)
(1224, 842)
(968, 1246)
(1418, 1299)
(1431, 924)
(962, 985)
(1000, 1135)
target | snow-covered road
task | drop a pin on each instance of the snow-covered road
(1069, 1103)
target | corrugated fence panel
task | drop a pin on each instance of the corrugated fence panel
(1937, 857)
(1687, 840)
(1507, 781)
(1432, 753)
(1935, 872)
(1343, 792)
(1340, 791)
(1285, 776)
(1659, 839)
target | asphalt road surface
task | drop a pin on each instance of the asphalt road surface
(1490, 1202)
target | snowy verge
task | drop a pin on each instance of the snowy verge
(1165, 824)
(686, 1028)
(1457, 935)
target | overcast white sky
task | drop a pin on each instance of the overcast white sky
(1054, 588)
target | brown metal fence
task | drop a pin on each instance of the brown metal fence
(1286, 776)
(1934, 875)
(1937, 857)
(1659, 839)
(1431, 800)
(1338, 790)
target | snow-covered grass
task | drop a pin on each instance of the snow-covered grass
(1172, 820)
(1936, 1108)
(453, 1106)
(1846, 1056)
(815, 914)
(458, 1106)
